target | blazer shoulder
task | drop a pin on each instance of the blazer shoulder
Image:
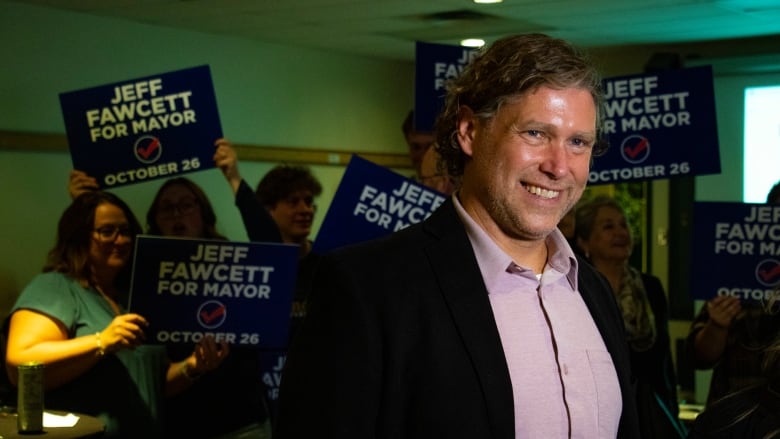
(588, 277)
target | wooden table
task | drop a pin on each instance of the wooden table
(86, 427)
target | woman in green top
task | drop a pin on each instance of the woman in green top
(73, 319)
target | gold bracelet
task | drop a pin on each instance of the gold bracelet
(184, 369)
(100, 351)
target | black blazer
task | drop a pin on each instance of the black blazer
(400, 342)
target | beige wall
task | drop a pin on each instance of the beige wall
(267, 95)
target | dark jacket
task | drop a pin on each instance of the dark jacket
(400, 342)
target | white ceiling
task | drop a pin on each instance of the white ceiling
(388, 28)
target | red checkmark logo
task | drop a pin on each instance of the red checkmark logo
(147, 151)
(767, 275)
(634, 151)
(209, 316)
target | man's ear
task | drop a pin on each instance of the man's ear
(466, 126)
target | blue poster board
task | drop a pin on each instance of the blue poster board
(240, 292)
(373, 201)
(144, 128)
(736, 250)
(271, 365)
(435, 64)
(659, 126)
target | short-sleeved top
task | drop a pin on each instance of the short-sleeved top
(125, 389)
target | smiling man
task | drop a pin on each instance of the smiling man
(479, 322)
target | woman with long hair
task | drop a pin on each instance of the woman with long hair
(73, 318)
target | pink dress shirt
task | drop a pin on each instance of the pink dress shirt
(563, 379)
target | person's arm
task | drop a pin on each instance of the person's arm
(207, 356)
(33, 336)
(227, 161)
(709, 341)
(259, 225)
(79, 182)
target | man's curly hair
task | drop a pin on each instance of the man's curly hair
(512, 67)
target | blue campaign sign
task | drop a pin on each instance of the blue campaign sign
(435, 64)
(240, 292)
(373, 201)
(659, 126)
(736, 250)
(144, 128)
(271, 365)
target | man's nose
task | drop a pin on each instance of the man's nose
(555, 161)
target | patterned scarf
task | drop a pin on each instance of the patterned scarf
(637, 314)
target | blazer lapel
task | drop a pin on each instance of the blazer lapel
(463, 289)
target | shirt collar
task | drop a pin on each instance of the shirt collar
(493, 261)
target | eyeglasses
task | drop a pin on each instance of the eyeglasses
(109, 233)
(184, 208)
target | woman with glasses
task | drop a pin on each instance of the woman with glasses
(231, 395)
(181, 209)
(73, 319)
